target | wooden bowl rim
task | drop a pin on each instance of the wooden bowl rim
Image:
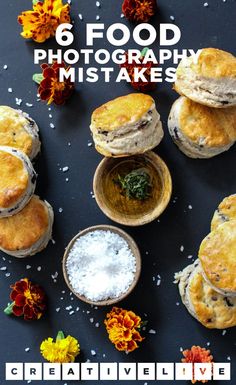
(160, 207)
(134, 248)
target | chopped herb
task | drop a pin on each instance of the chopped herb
(135, 185)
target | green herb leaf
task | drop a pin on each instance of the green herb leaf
(37, 78)
(8, 310)
(60, 336)
(144, 51)
(36, 1)
(136, 185)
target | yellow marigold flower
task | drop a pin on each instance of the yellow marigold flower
(41, 23)
(123, 329)
(63, 350)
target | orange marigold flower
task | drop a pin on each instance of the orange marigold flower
(197, 354)
(123, 329)
(139, 10)
(29, 300)
(140, 85)
(50, 88)
(41, 23)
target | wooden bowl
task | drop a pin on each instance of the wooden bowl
(127, 211)
(133, 247)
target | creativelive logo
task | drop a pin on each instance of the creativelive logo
(117, 371)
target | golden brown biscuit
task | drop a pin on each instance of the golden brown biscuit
(217, 254)
(127, 125)
(212, 309)
(28, 231)
(18, 130)
(17, 182)
(225, 212)
(209, 79)
(200, 131)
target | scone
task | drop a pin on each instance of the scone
(225, 212)
(29, 231)
(200, 131)
(211, 309)
(217, 254)
(126, 126)
(210, 79)
(18, 130)
(17, 181)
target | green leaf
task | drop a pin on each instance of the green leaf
(8, 310)
(37, 78)
(60, 336)
(36, 1)
(144, 51)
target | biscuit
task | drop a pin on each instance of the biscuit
(211, 309)
(17, 182)
(210, 79)
(217, 255)
(127, 125)
(18, 130)
(200, 131)
(29, 231)
(225, 212)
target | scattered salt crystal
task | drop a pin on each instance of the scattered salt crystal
(61, 298)
(122, 16)
(172, 18)
(69, 307)
(52, 125)
(69, 144)
(65, 169)
(69, 1)
(27, 349)
(72, 299)
(88, 311)
(93, 352)
(63, 291)
(91, 320)
(7, 274)
(229, 358)
(190, 256)
(71, 312)
(29, 104)
(77, 309)
(208, 343)
(152, 331)
(181, 349)
(177, 303)
(39, 268)
(60, 209)
(80, 16)
(5, 67)
(97, 324)
(98, 4)
(224, 332)
(58, 309)
(9, 90)
(50, 116)
(190, 207)
(28, 267)
(55, 275)
(205, 4)
(18, 101)
(181, 248)
(90, 144)
(49, 108)
(67, 179)
(104, 355)
(97, 17)
(100, 265)
(4, 268)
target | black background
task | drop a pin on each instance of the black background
(200, 183)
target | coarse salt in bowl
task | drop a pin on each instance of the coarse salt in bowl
(102, 265)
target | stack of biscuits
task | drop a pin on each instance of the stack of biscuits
(208, 286)
(25, 220)
(202, 121)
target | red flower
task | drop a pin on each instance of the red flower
(140, 85)
(139, 10)
(28, 300)
(197, 354)
(50, 89)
